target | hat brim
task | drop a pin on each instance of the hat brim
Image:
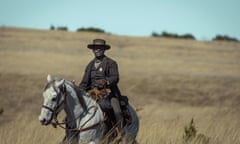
(91, 46)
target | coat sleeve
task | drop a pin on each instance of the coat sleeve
(113, 74)
(85, 82)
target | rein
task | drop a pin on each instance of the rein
(81, 129)
(60, 124)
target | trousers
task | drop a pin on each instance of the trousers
(117, 111)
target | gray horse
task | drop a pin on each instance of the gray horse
(84, 118)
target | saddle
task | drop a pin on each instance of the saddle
(101, 96)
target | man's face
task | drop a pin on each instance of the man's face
(98, 51)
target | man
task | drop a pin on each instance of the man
(102, 72)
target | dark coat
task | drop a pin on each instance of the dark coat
(109, 69)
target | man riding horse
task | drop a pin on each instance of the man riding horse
(102, 73)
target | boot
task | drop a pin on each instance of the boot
(119, 122)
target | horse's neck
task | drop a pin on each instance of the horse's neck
(73, 107)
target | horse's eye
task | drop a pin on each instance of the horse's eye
(53, 99)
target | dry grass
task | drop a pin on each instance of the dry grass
(171, 81)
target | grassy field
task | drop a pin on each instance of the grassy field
(169, 81)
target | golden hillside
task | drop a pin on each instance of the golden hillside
(170, 80)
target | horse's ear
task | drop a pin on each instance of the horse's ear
(49, 78)
(59, 83)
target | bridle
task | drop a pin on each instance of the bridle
(60, 124)
(58, 106)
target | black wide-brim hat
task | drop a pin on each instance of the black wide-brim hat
(99, 43)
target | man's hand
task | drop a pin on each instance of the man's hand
(100, 84)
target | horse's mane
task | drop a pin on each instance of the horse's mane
(80, 94)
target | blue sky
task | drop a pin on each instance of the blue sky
(204, 19)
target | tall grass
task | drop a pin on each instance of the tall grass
(167, 124)
(159, 124)
(169, 81)
(26, 129)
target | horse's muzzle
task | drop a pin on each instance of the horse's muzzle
(44, 121)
